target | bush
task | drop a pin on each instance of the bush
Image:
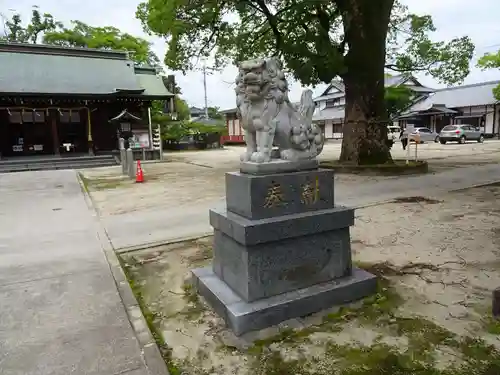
(198, 134)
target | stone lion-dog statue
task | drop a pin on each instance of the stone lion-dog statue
(270, 119)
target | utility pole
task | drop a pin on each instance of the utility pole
(205, 88)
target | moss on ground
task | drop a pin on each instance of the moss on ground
(151, 317)
(94, 184)
(194, 307)
(491, 325)
(379, 311)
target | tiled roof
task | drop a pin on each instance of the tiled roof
(389, 81)
(151, 82)
(196, 111)
(40, 69)
(231, 110)
(460, 96)
(334, 113)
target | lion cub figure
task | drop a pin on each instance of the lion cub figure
(268, 117)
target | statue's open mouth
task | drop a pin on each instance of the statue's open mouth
(253, 83)
(252, 79)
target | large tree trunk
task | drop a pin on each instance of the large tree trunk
(365, 129)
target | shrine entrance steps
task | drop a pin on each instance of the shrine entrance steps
(40, 163)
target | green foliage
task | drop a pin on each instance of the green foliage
(39, 24)
(177, 130)
(44, 27)
(182, 109)
(107, 37)
(491, 61)
(397, 99)
(306, 35)
(159, 117)
(200, 128)
(213, 113)
(169, 82)
(174, 131)
(410, 49)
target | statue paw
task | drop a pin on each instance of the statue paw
(247, 156)
(287, 155)
(261, 157)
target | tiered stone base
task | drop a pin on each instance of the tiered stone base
(242, 316)
(281, 250)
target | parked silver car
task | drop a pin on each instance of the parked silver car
(426, 134)
(461, 133)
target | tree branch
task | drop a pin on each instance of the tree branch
(421, 68)
(273, 23)
(215, 30)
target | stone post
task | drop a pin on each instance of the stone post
(130, 163)
(496, 303)
(123, 161)
(123, 155)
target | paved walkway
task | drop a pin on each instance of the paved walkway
(60, 312)
(169, 223)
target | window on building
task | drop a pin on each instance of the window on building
(332, 103)
(125, 126)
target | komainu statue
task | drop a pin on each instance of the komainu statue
(268, 117)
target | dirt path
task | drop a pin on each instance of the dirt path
(430, 316)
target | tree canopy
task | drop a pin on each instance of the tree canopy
(107, 38)
(213, 113)
(42, 27)
(307, 35)
(397, 100)
(40, 23)
(356, 40)
(160, 117)
(491, 61)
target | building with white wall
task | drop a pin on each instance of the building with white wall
(330, 105)
(467, 104)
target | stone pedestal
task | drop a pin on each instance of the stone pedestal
(281, 250)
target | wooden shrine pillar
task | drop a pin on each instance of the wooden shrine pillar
(55, 134)
(90, 141)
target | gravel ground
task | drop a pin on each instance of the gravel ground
(440, 261)
(191, 178)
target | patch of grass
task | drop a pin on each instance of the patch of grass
(195, 308)
(85, 182)
(151, 318)
(286, 336)
(380, 304)
(424, 338)
(491, 325)
(273, 363)
(268, 356)
(379, 359)
(94, 184)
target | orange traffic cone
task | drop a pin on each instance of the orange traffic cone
(139, 174)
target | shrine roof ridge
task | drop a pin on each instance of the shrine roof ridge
(45, 49)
